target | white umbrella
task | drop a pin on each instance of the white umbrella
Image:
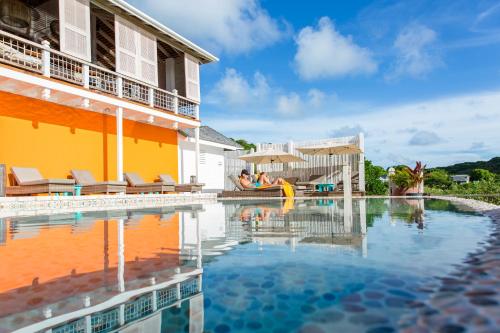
(330, 149)
(270, 156)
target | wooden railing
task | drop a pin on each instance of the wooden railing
(41, 59)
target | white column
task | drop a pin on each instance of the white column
(362, 162)
(119, 144)
(197, 153)
(86, 76)
(46, 58)
(346, 172)
(121, 257)
(362, 220)
(198, 242)
(346, 175)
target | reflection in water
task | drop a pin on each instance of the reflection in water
(142, 270)
(73, 273)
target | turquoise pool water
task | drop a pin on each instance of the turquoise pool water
(270, 266)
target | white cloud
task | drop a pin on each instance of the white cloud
(289, 104)
(234, 90)
(313, 101)
(424, 138)
(415, 54)
(322, 52)
(390, 128)
(316, 97)
(234, 26)
(346, 131)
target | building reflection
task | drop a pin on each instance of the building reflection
(141, 270)
(325, 222)
(99, 272)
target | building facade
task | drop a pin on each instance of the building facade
(213, 145)
(95, 85)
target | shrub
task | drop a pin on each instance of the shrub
(374, 185)
(482, 174)
(438, 178)
(402, 179)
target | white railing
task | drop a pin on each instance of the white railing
(41, 59)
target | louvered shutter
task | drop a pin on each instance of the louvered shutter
(148, 56)
(192, 78)
(75, 28)
(126, 48)
(136, 53)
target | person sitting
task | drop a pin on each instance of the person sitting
(264, 180)
(245, 179)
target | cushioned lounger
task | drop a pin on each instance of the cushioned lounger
(30, 181)
(91, 186)
(168, 180)
(137, 185)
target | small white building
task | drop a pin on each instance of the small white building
(461, 179)
(212, 147)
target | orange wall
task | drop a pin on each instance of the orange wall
(40, 256)
(56, 139)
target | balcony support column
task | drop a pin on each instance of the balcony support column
(197, 145)
(46, 58)
(119, 144)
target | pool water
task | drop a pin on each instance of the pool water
(235, 266)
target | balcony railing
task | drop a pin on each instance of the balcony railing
(39, 58)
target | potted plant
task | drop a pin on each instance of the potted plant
(408, 181)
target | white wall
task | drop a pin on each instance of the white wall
(211, 164)
(212, 224)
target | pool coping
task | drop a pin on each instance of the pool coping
(43, 205)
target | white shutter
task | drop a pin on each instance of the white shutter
(136, 53)
(148, 54)
(75, 28)
(126, 48)
(192, 69)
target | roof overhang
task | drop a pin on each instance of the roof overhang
(170, 36)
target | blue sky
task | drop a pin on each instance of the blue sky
(420, 78)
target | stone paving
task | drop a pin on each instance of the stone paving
(469, 299)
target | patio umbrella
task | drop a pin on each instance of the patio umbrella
(270, 156)
(330, 149)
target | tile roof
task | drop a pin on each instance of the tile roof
(209, 134)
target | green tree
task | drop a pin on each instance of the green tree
(438, 178)
(245, 144)
(482, 175)
(374, 185)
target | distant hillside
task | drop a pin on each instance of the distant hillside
(492, 165)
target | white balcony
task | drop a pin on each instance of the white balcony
(48, 63)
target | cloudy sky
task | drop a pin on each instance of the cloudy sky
(422, 81)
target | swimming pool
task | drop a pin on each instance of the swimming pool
(265, 266)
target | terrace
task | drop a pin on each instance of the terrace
(115, 56)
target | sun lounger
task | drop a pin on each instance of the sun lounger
(91, 186)
(169, 181)
(30, 181)
(136, 185)
(312, 182)
(240, 191)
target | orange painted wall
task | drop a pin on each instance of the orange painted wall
(54, 253)
(56, 139)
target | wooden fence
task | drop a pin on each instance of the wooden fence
(313, 165)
